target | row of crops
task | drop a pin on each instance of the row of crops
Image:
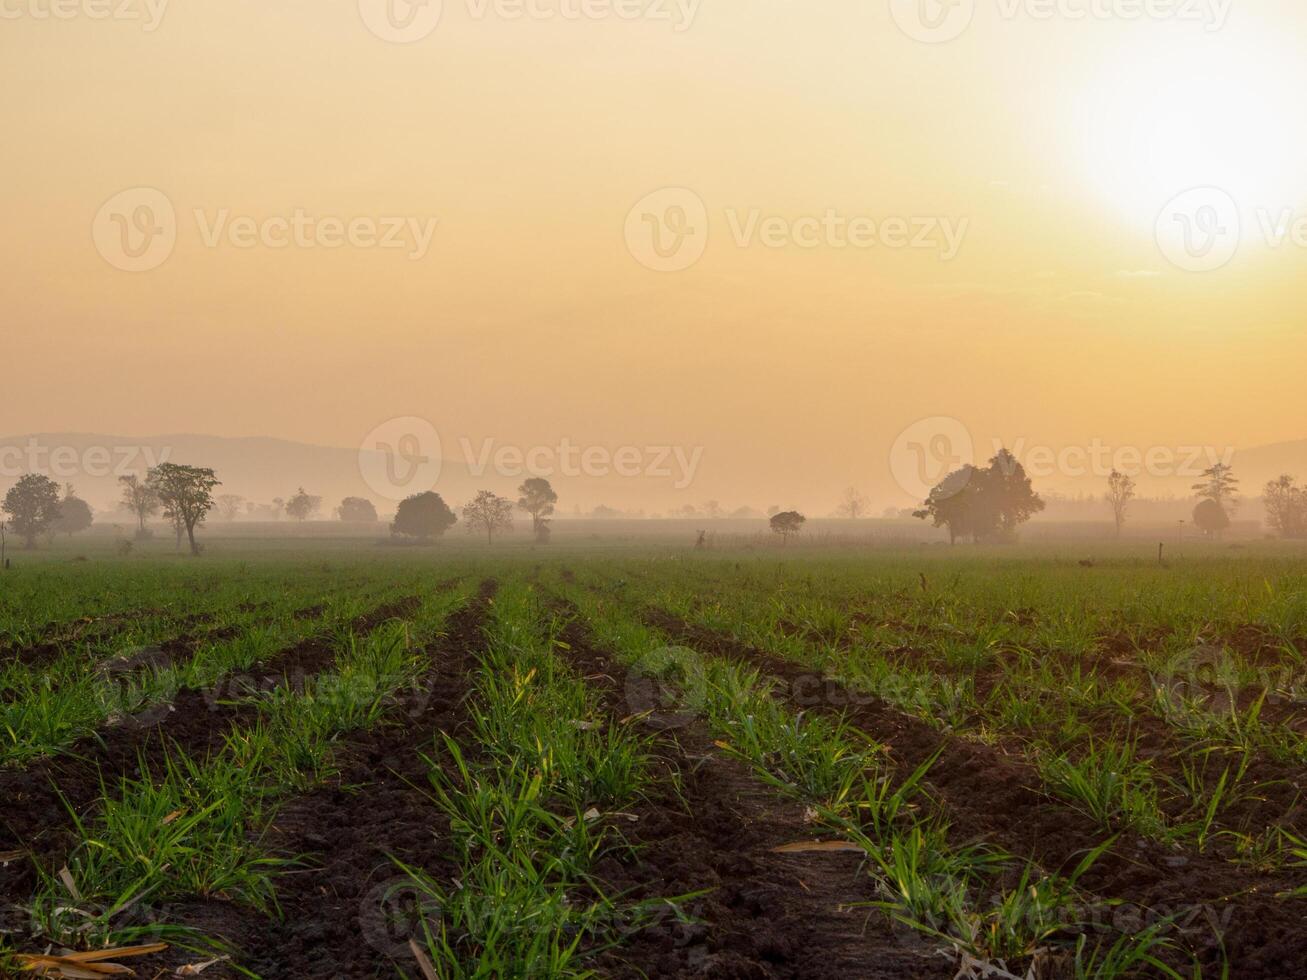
(671, 766)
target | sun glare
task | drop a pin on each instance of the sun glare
(1212, 110)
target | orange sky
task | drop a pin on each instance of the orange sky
(1054, 142)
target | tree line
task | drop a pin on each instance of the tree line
(184, 496)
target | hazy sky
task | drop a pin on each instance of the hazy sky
(1047, 147)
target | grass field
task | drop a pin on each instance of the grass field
(318, 759)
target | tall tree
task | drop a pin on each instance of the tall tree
(139, 497)
(489, 512)
(538, 499)
(1219, 486)
(303, 505)
(853, 504)
(1120, 491)
(787, 523)
(186, 493)
(33, 507)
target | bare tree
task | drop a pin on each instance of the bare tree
(230, 506)
(1120, 491)
(853, 504)
(489, 512)
(139, 497)
(1286, 507)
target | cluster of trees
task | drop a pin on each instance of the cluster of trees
(426, 515)
(985, 504)
(35, 509)
(183, 493)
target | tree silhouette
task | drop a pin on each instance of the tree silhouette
(787, 523)
(74, 514)
(984, 504)
(33, 506)
(1219, 486)
(423, 516)
(489, 512)
(1211, 517)
(853, 504)
(303, 505)
(357, 510)
(538, 499)
(140, 499)
(1286, 507)
(1120, 491)
(186, 493)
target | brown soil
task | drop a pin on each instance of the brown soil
(766, 914)
(336, 910)
(994, 797)
(36, 816)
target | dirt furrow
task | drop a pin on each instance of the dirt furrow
(992, 796)
(766, 915)
(37, 799)
(337, 910)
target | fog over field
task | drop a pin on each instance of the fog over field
(640, 489)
